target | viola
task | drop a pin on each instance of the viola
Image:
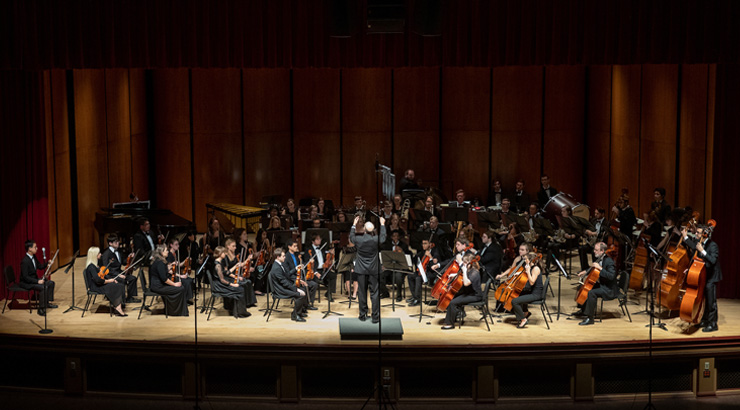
(592, 277)
(103, 272)
(693, 300)
(515, 282)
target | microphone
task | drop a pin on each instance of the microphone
(71, 264)
(43, 251)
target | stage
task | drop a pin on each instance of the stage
(573, 359)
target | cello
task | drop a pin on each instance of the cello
(640, 264)
(513, 285)
(592, 277)
(693, 300)
(451, 287)
(454, 267)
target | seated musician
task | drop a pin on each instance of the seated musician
(224, 284)
(324, 211)
(275, 224)
(507, 215)
(144, 239)
(291, 211)
(173, 250)
(316, 223)
(397, 204)
(387, 211)
(313, 213)
(263, 244)
(328, 278)
(491, 254)
(113, 290)
(394, 244)
(292, 260)
(115, 262)
(546, 191)
(497, 193)
(408, 181)
(461, 244)
(242, 241)
(520, 198)
(359, 208)
(429, 206)
(576, 228)
(341, 216)
(541, 226)
(660, 205)
(190, 249)
(30, 279)
(395, 225)
(459, 201)
(707, 250)
(282, 281)
(469, 293)
(532, 290)
(234, 263)
(432, 227)
(606, 288)
(415, 280)
(160, 281)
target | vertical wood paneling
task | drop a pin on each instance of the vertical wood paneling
(217, 140)
(598, 135)
(366, 110)
(517, 126)
(61, 164)
(564, 133)
(416, 122)
(658, 136)
(625, 129)
(266, 133)
(119, 134)
(711, 106)
(466, 102)
(49, 144)
(139, 137)
(172, 141)
(693, 136)
(92, 155)
(316, 142)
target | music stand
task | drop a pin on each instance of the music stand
(454, 214)
(489, 220)
(395, 262)
(281, 237)
(423, 295)
(71, 265)
(326, 236)
(344, 265)
(563, 272)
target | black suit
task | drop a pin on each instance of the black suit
(290, 264)
(627, 221)
(29, 280)
(714, 275)
(141, 241)
(415, 280)
(520, 201)
(490, 259)
(282, 282)
(607, 288)
(367, 268)
(113, 261)
(544, 195)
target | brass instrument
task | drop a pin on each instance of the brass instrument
(529, 236)
(405, 209)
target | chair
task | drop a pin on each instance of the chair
(148, 293)
(543, 302)
(482, 305)
(624, 283)
(214, 294)
(93, 295)
(272, 306)
(12, 286)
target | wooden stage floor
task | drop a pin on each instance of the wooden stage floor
(280, 330)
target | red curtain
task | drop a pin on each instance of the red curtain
(23, 177)
(295, 33)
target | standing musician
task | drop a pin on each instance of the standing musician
(394, 244)
(223, 284)
(707, 250)
(232, 265)
(546, 191)
(113, 290)
(408, 181)
(532, 290)
(30, 279)
(469, 293)
(292, 259)
(415, 280)
(607, 287)
(660, 205)
(521, 198)
(497, 193)
(282, 282)
(367, 265)
(112, 259)
(491, 254)
(626, 215)
(173, 249)
(172, 292)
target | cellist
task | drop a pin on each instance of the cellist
(607, 287)
(461, 244)
(469, 293)
(533, 289)
(708, 251)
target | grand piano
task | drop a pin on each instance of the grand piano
(123, 219)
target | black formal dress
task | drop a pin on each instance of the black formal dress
(282, 282)
(174, 297)
(113, 260)
(29, 280)
(245, 284)
(235, 300)
(607, 288)
(662, 210)
(367, 266)
(529, 294)
(714, 275)
(113, 291)
(187, 283)
(466, 295)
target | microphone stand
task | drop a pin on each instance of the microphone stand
(657, 256)
(46, 330)
(195, 311)
(71, 265)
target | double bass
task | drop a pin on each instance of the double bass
(693, 300)
(514, 283)
(675, 271)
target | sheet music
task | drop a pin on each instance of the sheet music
(422, 272)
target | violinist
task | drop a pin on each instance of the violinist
(431, 256)
(318, 266)
(660, 205)
(546, 191)
(263, 255)
(225, 285)
(173, 248)
(282, 281)
(292, 260)
(521, 198)
(30, 279)
(192, 250)
(469, 293)
(491, 254)
(606, 288)
(173, 293)
(242, 243)
(707, 250)
(113, 290)
(234, 265)
(367, 266)
(113, 260)
(393, 244)
(532, 290)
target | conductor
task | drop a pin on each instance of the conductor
(367, 266)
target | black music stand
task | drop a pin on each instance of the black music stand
(345, 260)
(423, 301)
(395, 262)
(71, 265)
(328, 310)
(563, 272)
(657, 255)
(488, 220)
(323, 232)
(455, 214)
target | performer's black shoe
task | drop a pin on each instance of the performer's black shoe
(409, 300)
(414, 302)
(133, 300)
(375, 320)
(578, 313)
(362, 318)
(51, 306)
(710, 328)
(399, 299)
(303, 314)
(41, 312)
(312, 308)
(117, 313)
(297, 318)
(586, 321)
(703, 323)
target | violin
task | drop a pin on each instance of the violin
(173, 272)
(693, 300)
(103, 272)
(186, 266)
(309, 266)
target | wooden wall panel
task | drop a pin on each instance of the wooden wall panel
(693, 137)
(625, 130)
(266, 96)
(564, 131)
(92, 155)
(598, 136)
(316, 134)
(517, 126)
(658, 132)
(217, 140)
(416, 122)
(49, 154)
(118, 118)
(711, 105)
(139, 137)
(172, 141)
(61, 165)
(466, 102)
(366, 112)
